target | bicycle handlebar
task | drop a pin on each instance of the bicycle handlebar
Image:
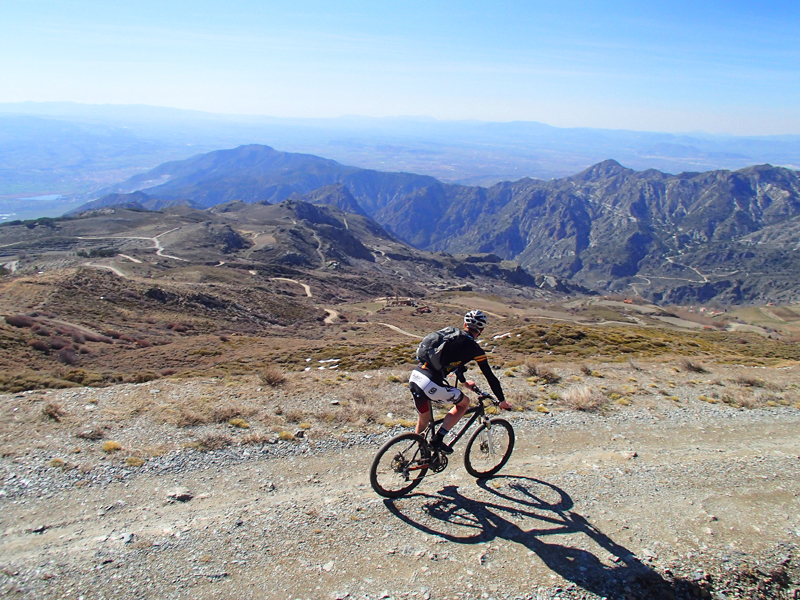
(484, 395)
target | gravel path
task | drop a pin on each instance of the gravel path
(658, 502)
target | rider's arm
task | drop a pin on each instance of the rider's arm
(493, 382)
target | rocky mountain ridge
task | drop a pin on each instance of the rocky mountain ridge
(691, 237)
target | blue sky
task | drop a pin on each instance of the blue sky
(721, 67)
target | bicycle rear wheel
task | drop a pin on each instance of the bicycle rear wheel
(399, 465)
(489, 448)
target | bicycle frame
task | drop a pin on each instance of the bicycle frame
(478, 411)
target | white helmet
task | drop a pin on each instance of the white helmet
(475, 319)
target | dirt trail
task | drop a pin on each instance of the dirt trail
(305, 286)
(573, 511)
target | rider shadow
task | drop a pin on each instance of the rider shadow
(462, 520)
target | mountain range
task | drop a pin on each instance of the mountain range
(55, 156)
(691, 237)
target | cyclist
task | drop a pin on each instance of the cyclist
(428, 384)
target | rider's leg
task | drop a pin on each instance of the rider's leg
(456, 413)
(449, 422)
(422, 421)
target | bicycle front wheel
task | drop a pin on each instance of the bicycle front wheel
(399, 465)
(489, 448)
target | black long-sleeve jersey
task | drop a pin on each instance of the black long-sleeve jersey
(455, 355)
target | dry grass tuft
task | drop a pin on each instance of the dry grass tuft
(272, 376)
(54, 411)
(239, 422)
(542, 373)
(583, 398)
(191, 418)
(258, 439)
(134, 461)
(748, 381)
(111, 446)
(214, 441)
(294, 415)
(224, 414)
(690, 367)
(286, 436)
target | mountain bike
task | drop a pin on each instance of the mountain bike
(403, 461)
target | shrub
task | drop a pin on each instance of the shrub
(272, 376)
(78, 337)
(143, 344)
(57, 343)
(239, 422)
(39, 345)
(134, 461)
(84, 377)
(53, 411)
(20, 320)
(67, 356)
(286, 436)
(690, 367)
(112, 334)
(583, 398)
(111, 446)
(142, 377)
(586, 370)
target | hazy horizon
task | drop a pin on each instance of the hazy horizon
(716, 67)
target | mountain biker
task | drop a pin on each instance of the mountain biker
(428, 384)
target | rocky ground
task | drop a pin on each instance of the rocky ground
(665, 497)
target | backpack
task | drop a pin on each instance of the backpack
(430, 348)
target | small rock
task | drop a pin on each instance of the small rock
(181, 495)
(127, 538)
(628, 454)
(300, 434)
(335, 402)
(328, 566)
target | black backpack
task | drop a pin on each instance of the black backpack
(430, 348)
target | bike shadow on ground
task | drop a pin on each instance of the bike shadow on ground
(534, 513)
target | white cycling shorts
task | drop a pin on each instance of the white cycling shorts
(437, 393)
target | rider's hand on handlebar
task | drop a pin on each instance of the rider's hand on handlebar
(505, 405)
(470, 385)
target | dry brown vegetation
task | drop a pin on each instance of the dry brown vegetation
(272, 376)
(53, 411)
(692, 367)
(583, 398)
(543, 373)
